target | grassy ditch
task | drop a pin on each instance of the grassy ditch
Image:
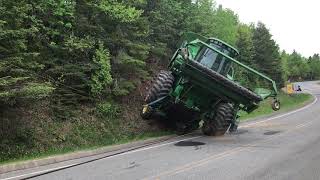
(288, 102)
(69, 149)
(45, 137)
(32, 132)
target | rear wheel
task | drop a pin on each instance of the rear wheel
(219, 123)
(161, 86)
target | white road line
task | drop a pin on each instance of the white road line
(125, 153)
(160, 145)
(37, 172)
(283, 115)
(165, 144)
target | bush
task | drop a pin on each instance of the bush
(106, 109)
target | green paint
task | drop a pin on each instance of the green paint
(195, 89)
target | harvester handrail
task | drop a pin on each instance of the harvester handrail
(239, 63)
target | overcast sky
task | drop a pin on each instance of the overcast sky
(294, 24)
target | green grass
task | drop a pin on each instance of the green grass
(65, 150)
(98, 141)
(89, 128)
(288, 102)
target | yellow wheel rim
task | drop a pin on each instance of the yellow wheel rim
(145, 109)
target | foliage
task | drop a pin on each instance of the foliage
(267, 56)
(288, 102)
(298, 68)
(244, 45)
(314, 66)
(100, 54)
(108, 110)
(226, 25)
(85, 49)
(101, 77)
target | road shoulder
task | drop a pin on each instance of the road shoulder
(117, 148)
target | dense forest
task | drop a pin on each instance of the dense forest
(73, 72)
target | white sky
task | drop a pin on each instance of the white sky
(294, 24)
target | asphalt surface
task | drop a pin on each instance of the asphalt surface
(285, 146)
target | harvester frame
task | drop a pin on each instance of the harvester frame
(199, 86)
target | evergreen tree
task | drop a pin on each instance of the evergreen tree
(19, 56)
(166, 20)
(225, 25)
(284, 65)
(314, 64)
(267, 56)
(91, 55)
(295, 66)
(201, 18)
(244, 45)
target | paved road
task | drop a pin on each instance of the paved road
(286, 146)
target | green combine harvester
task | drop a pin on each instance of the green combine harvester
(199, 85)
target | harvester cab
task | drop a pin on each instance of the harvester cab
(213, 56)
(214, 60)
(201, 85)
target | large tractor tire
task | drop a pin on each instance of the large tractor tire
(161, 86)
(219, 123)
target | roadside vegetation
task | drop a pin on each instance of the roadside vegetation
(94, 139)
(288, 102)
(73, 73)
(54, 151)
